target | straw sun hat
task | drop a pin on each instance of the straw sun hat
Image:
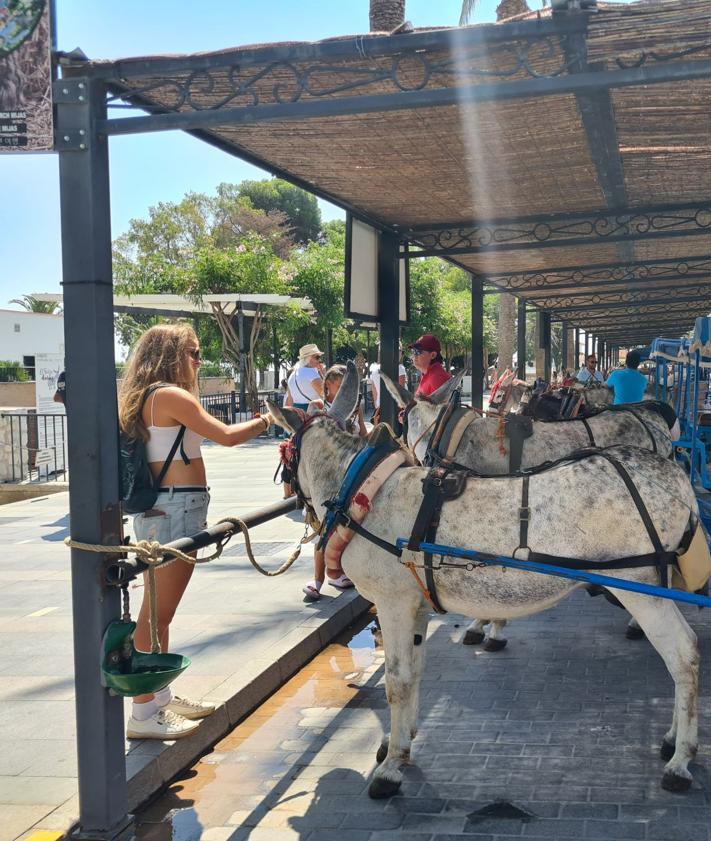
(307, 351)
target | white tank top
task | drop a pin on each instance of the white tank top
(162, 438)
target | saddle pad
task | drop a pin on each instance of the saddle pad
(694, 564)
(459, 422)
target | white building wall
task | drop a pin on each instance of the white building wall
(29, 333)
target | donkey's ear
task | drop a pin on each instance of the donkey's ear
(399, 394)
(286, 417)
(444, 392)
(346, 401)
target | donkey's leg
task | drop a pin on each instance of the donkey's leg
(475, 632)
(403, 669)
(418, 664)
(634, 632)
(496, 641)
(669, 633)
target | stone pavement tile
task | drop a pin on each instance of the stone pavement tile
(29, 791)
(609, 830)
(674, 831)
(16, 819)
(35, 720)
(37, 688)
(55, 758)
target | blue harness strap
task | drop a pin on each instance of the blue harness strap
(561, 572)
(359, 469)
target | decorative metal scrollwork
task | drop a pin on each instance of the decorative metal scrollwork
(287, 81)
(642, 57)
(602, 226)
(635, 297)
(601, 275)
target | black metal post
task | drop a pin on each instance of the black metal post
(521, 340)
(275, 356)
(388, 316)
(329, 347)
(564, 339)
(477, 342)
(576, 357)
(544, 342)
(93, 455)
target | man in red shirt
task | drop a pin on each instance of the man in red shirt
(427, 358)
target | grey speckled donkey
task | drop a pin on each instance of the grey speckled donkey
(589, 492)
(483, 451)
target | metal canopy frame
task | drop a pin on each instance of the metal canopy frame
(287, 83)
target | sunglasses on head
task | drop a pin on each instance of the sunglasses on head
(195, 354)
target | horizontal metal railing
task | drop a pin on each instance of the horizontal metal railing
(227, 408)
(34, 446)
(122, 570)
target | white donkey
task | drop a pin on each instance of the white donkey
(484, 450)
(588, 492)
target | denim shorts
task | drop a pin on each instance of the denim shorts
(174, 515)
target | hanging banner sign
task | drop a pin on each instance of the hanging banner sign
(26, 123)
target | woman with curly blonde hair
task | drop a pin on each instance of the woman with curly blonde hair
(158, 403)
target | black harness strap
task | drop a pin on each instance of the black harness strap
(524, 516)
(659, 557)
(517, 429)
(644, 514)
(591, 437)
(341, 518)
(646, 428)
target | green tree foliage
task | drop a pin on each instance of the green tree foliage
(31, 304)
(276, 196)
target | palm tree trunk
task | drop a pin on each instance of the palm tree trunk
(386, 15)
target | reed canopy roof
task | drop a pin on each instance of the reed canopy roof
(564, 156)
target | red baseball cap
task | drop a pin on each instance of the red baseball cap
(427, 342)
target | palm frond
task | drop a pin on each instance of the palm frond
(468, 7)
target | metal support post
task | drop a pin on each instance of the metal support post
(602, 364)
(544, 342)
(521, 340)
(388, 316)
(576, 355)
(478, 366)
(564, 342)
(93, 455)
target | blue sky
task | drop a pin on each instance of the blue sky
(146, 169)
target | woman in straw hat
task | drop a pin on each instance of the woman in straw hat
(306, 380)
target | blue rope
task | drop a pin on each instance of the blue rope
(562, 572)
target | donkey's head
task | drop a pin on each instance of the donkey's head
(421, 412)
(319, 450)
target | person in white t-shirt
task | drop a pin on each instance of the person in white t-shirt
(306, 381)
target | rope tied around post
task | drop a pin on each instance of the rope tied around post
(153, 553)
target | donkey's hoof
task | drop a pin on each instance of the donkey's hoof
(473, 638)
(381, 788)
(675, 782)
(634, 633)
(495, 644)
(666, 750)
(382, 753)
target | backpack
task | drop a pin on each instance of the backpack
(138, 490)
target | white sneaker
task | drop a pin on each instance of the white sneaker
(189, 709)
(164, 724)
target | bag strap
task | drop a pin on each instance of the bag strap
(171, 455)
(178, 438)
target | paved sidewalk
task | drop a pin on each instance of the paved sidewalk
(565, 723)
(245, 634)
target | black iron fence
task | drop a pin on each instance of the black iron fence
(33, 447)
(226, 407)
